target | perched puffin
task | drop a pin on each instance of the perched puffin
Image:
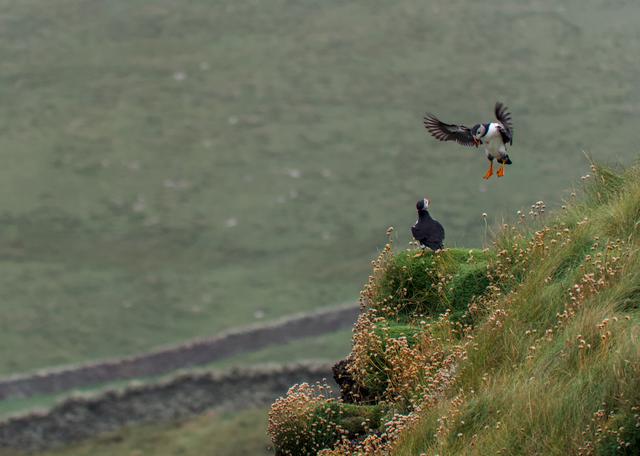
(427, 231)
(493, 135)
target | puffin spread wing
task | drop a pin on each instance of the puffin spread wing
(448, 132)
(504, 117)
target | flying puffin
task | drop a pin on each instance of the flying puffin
(493, 135)
(427, 231)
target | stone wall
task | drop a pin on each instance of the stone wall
(194, 353)
(186, 395)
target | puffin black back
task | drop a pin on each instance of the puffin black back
(427, 231)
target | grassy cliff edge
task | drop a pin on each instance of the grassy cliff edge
(529, 347)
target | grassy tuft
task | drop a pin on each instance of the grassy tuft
(427, 284)
(307, 420)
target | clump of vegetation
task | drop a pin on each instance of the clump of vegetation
(409, 285)
(401, 363)
(308, 420)
(530, 347)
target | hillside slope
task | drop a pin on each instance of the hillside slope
(530, 347)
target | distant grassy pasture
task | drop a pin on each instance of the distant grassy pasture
(216, 434)
(329, 348)
(171, 169)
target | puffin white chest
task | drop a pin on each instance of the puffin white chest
(492, 135)
(492, 141)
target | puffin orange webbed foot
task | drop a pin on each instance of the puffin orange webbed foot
(489, 172)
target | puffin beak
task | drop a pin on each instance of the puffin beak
(476, 141)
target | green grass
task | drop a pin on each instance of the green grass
(410, 282)
(531, 391)
(215, 434)
(169, 169)
(548, 362)
(245, 431)
(329, 347)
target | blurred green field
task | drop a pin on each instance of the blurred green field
(220, 433)
(215, 434)
(326, 348)
(172, 169)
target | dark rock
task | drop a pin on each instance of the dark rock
(351, 391)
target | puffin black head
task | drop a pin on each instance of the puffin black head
(422, 204)
(478, 131)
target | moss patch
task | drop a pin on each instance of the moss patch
(426, 284)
